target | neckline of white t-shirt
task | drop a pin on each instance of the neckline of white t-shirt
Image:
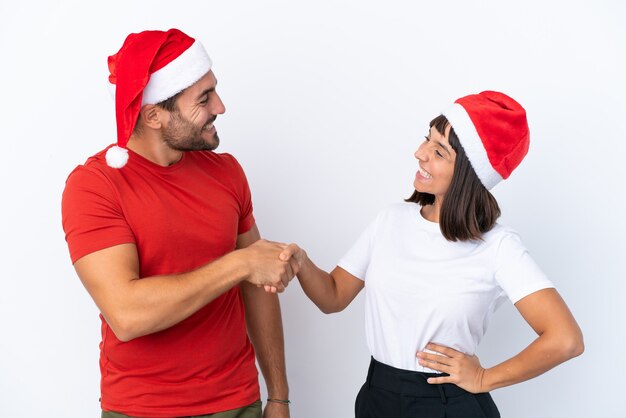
(428, 225)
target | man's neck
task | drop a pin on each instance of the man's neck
(154, 149)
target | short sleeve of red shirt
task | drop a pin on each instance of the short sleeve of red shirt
(92, 218)
(246, 220)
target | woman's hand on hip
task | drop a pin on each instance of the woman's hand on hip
(464, 371)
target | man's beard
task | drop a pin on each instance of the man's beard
(183, 135)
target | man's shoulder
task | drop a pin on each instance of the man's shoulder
(224, 162)
(224, 158)
(94, 164)
(93, 174)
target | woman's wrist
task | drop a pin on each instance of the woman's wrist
(486, 383)
(305, 264)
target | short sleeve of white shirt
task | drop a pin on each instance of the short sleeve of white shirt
(357, 259)
(516, 272)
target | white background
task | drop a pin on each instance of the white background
(326, 102)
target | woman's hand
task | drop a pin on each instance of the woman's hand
(559, 340)
(292, 254)
(465, 371)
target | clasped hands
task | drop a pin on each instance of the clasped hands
(272, 265)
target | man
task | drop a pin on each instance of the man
(161, 233)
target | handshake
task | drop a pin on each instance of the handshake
(272, 265)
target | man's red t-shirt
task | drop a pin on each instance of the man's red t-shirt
(180, 217)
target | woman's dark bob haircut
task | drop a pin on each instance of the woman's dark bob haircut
(468, 209)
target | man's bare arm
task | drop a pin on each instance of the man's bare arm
(265, 328)
(134, 306)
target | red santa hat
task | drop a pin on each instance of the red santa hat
(151, 66)
(493, 131)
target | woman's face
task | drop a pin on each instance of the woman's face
(436, 160)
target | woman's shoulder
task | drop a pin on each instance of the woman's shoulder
(396, 211)
(403, 216)
(502, 234)
(400, 209)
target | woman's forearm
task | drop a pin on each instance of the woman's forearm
(319, 286)
(331, 292)
(546, 352)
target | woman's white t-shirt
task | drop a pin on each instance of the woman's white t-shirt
(421, 288)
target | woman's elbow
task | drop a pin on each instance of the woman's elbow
(572, 346)
(577, 348)
(330, 309)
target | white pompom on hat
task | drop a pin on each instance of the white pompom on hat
(493, 130)
(151, 66)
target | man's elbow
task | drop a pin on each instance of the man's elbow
(125, 329)
(124, 336)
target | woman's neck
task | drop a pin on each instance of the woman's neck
(432, 212)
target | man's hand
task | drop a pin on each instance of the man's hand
(465, 371)
(266, 268)
(276, 410)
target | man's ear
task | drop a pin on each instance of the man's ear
(151, 116)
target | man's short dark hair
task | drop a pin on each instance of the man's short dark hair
(170, 104)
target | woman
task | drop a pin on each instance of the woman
(436, 267)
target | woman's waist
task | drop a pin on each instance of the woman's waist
(400, 352)
(409, 382)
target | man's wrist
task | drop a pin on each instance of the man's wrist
(239, 263)
(280, 401)
(280, 391)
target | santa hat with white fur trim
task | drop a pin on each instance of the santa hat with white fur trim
(493, 131)
(151, 66)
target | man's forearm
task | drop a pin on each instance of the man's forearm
(264, 322)
(139, 306)
(135, 306)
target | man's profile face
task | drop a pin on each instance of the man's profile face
(190, 127)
